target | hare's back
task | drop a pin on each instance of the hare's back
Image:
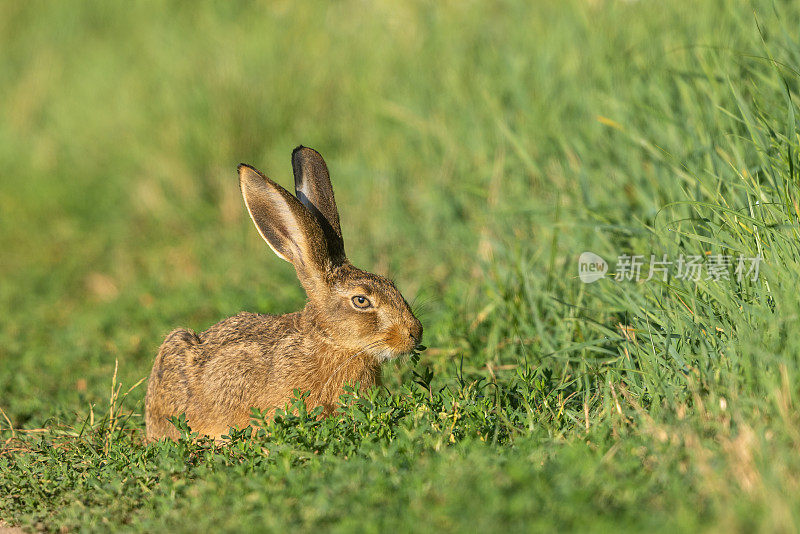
(216, 376)
(242, 342)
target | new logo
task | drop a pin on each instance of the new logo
(591, 267)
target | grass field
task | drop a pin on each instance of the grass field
(477, 149)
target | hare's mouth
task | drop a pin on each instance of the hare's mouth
(399, 342)
(391, 344)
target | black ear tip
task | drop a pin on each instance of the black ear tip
(304, 149)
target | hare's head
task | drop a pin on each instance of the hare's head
(354, 309)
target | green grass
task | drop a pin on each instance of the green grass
(476, 150)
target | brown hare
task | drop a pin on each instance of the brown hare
(352, 322)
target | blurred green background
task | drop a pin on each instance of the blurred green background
(476, 150)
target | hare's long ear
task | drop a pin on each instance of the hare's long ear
(286, 225)
(312, 184)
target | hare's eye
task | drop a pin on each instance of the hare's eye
(361, 302)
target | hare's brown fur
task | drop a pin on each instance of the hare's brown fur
(257, 361)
